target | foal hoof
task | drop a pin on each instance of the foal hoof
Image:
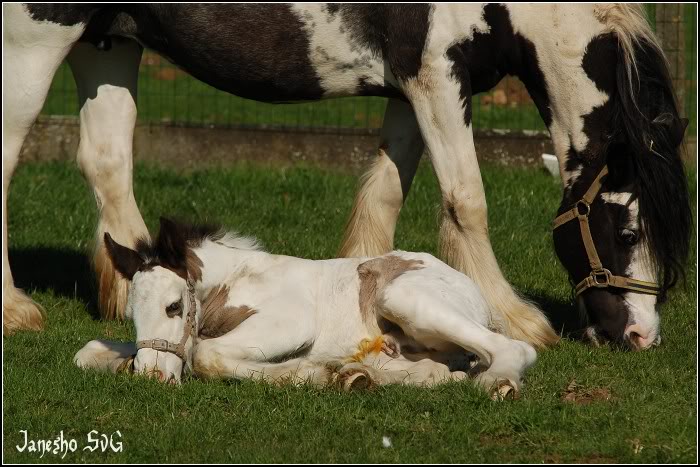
(503, 389)
(352, 378)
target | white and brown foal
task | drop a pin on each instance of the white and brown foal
(214, 303)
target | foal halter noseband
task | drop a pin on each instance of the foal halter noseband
(599, 276)
(162, 345)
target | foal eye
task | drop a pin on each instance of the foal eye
(628, 236)
(174, 309)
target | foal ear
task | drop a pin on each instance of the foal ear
(125, 260)
(172, 247)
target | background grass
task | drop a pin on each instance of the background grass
(650, 416)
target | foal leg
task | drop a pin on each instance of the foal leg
(32, 51)
(442, 105)
(104, 355)
(106, 83)
(426, 315)
(385, 185)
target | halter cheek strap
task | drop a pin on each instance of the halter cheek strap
(599, 276)
(163, 345)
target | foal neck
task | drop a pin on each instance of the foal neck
(222, 258)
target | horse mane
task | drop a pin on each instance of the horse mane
(646, 116)
(172, 247)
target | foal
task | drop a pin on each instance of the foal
(214, 303)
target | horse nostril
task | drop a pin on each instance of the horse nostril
(638, 338)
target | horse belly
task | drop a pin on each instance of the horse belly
(266, 52)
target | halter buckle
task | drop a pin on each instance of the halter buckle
(160, 345)
(601, 278)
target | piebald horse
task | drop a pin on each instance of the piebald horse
(214, 303)
(595, 72)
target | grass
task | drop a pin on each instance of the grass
(650, 416)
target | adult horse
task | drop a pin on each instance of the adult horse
(595, 73)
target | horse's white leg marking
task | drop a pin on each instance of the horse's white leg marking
(464, 239)
(106, 83)
(104, 355)
(370, 229)
(32, 51)
(434, 316)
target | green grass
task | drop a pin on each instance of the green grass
(302, 211)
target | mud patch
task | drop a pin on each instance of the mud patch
(580, 395)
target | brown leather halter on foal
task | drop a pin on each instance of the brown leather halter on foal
(163, 345)
(599, 276)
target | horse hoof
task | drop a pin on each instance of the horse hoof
(352, 378)
(20, 313)
(357, 381)
(503, 389)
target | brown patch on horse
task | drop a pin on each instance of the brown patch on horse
(218, 319)
(376, 274)
(193, 265)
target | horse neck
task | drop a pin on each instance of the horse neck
(219, 261)
(556, 40)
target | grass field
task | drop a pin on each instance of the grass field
(626, 407)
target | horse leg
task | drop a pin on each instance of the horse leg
(385, 185)
(442, 106)
(104, 355)
(106, 82)
(32, 52)
(438, 321)
(382, 369)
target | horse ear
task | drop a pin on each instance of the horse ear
(125, 260)
(172, 247)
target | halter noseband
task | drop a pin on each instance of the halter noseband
(162, 345)
(599, 276)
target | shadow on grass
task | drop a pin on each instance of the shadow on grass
(562, 314)
(65, 272)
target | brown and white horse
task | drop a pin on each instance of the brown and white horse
(212, 302)
(595, 72)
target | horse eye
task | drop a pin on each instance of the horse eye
(628, 236)
(174, 309)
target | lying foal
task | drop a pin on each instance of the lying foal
(211, 302)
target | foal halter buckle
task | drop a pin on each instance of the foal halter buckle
(599, 276)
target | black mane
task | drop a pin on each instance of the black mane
(646, 112)
(174, 239)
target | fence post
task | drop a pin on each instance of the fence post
(670, 31)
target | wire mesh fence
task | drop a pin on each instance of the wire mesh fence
(169, 96)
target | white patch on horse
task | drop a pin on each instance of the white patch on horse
(560, 34)
(616, 197)
(339, 60)
(451, 24)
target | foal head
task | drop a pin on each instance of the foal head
(161, 301)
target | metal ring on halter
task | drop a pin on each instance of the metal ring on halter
(606, 274)
(582, 202)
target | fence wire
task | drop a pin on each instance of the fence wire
(168, 96)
